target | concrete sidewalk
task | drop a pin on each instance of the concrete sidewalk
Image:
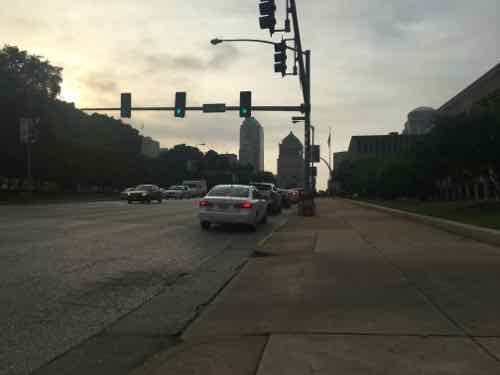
(351, 291)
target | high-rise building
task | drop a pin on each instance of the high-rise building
(252, 144)
(291, 163)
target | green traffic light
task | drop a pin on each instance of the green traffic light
(244, 111)
(178, 111)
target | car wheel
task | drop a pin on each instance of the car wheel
(205, 225)
(129, 202)
(160, 201)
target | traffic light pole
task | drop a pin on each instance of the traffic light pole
(307, 128)
(305, 80)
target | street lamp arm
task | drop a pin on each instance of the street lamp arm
(219, 41)
(327, 164)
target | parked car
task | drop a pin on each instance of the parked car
(285, 198)
(124, 193)
(145, 194)
(198, 187)
(178, 192)
(271, 193)
(233, 204)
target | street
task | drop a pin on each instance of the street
(70, 271)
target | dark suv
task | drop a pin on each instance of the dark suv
(271, 193)
(145, 193)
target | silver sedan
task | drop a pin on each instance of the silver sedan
(233, 204)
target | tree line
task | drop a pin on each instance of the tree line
(459, 155)
(75, 151)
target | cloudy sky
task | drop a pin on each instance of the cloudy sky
(373, 61)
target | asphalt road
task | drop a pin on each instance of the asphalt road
(75, 276)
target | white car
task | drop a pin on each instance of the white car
(233, 204)
(177, 192)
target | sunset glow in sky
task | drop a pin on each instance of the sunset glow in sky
(373, 61)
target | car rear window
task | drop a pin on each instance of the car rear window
(145, 187)
(229, 191)
(262, 187)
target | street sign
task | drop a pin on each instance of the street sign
(24, 130)
(214, 108)
(28, 130)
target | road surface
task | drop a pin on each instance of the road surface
(70, 272)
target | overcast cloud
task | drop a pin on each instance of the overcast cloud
(373, 61)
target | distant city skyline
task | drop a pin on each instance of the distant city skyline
(372, 62)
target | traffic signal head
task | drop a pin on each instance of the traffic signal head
(245, 103)
(126, 105)
(316, 155)
(280, 58)
(267, 15)
(180, 104)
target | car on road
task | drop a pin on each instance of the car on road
(145, 194)
(233, 204)
(178, 192)
(198, 188)
(124, 193)
(271, 193)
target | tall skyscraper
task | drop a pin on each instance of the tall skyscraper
(252, 144)
(291, 163)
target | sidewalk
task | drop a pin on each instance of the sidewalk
(351, 291)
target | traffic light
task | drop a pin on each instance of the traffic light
(180, 104)
(267, 17)
(126, 105)
(280, 58)
(315, 154)
(245, 104)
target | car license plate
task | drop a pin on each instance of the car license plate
(223, 206)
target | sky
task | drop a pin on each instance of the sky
(372, 61)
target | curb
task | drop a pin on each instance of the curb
(262, 242)
(486, 235)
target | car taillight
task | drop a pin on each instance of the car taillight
(246, 205)
(205, 203)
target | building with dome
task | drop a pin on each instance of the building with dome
(420, 121)
(291, 163)
(252, 144)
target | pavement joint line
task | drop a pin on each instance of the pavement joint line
(261, 356)
(102, 332)
(280, 226)
(207, 339)
(106, 331)
(199, 308)
(429, 298)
